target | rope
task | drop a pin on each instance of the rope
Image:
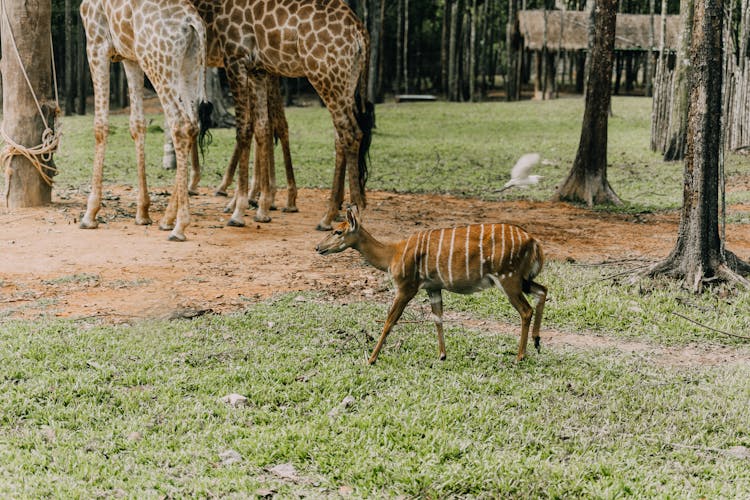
(39, 155)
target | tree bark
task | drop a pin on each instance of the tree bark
(376, 26)
(82, 71)
(587, 180)
(70, 34)
(453, 58)
(698, 256)
(27, 26)
(674, 148)
(513, 41)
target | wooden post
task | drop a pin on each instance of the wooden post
(26, 25)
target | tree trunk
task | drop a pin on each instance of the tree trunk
(513, 41)
(472, 52)
(27, 26)
(445, 47)
(648, 72)
(376, 26)
(82, 71)
(399, 46)
(587, 180)
(70, 90)
(676, 136)
(591, 11)
(697, 256)
(406, 46)
(453, 58)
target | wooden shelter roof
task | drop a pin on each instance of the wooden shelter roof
(631, 32)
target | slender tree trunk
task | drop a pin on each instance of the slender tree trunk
(677, 132)
(376, 26)
(513, 42)
(697, 256)
(453, 53)
(70, 90)
(82, 71)
(27, 26)
(587, 180)
(648, 72)
(406, 46)
(473, 52)
(399, 46)
(445, 47)
(591, 10)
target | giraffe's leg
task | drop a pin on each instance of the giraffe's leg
(281, 131)
(291, 184)
(337, 191)
(264, 146)
(134, 74)
(226, 181)
(184, 133)
(99, 65)
(195, 170)
(353, 137)
(237, 73)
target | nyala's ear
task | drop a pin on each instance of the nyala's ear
(352, 217)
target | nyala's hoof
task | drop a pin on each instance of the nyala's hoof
(235, 223)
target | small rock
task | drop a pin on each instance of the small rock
(285, 471)
(738, 452)
(135, 436)
(236, 400)
(230, 457)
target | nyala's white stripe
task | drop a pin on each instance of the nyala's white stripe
(427, 257)
(437, 260)
(492, 254)
(468, 232)
(450, 257)
(481, 251)
(403, 254)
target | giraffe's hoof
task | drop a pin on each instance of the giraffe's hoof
(262, 218)
(192, 192)
(220, 192)
(88, 224)
(290, 210)
(235, 223)
(166, 227)
(273, 207)
(323, 227)
(143, 221)
(228, 210)
(176, 237)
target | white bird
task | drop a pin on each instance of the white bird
(519, 174)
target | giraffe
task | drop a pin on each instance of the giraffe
(323, 41)
(280, 129)
(166, 41)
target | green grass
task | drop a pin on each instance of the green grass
(134, 410)
(462, 149)
(565, 423)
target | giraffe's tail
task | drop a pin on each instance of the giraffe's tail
(364, 111)
(205, 107)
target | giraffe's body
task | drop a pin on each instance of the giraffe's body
(323, 41)
(166, 40)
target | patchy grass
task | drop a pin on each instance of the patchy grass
(462, 149)
(135, 410)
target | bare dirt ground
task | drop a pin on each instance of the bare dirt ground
(122, 271)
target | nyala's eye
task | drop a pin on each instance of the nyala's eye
(338, 232)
